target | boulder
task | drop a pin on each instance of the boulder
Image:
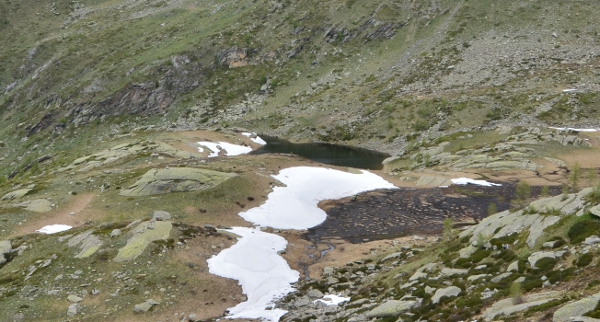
(500, 277)
(533, 258)
(454, 271)
(143, 234)
(575, 309)
(5, 248)
(445, 292)
(89, 246)
(73, 309)
(417, 276)
(74, 298)
(476, 277)
(17, 193)
(145, 307)
(513, 267)
(161, 215)
(595, 210)
(507, 307)
(159, 181)
(315, 294)
(37, 205)
(391, 256)
(391, 308)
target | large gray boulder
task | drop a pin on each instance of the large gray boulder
(454, 271)
(535, 257)
(576, 309)
(5, 248)
(445, 292)
(158, 181)
(391, 308)
(161, 215)
(507, 307)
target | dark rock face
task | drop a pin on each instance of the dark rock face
(393, 213)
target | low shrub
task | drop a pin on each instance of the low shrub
(584, 260)
(545, 264)
(583, 229)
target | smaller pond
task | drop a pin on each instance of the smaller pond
(333, 154)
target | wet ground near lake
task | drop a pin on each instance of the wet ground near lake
(392, 213)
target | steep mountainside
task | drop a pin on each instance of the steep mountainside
(378, 74)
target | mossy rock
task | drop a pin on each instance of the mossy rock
(144, 234)
(159, 181)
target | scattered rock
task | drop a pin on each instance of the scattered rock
(73, 309)
(145, 307)
(445, 292)
(391, 308)
(454, 271)
(37, 205)
(315, 294)
(577, 308)
(74, 298)
(161, 215)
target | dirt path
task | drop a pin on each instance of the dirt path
(76, 213)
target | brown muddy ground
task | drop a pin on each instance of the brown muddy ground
(385, 214)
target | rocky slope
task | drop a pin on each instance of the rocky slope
(103, 103)
(535, 264)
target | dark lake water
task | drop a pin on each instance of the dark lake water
(333, 154)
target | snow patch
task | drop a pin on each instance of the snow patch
(573, 129)
(465, 181)
(331, 299)
(295, 206)
(263, 274)
(53, 229)
(254, 138)
(230, 149)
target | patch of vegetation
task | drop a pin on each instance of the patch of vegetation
(585, 227)
(584, 260)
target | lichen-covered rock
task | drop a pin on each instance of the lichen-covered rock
(507, 306)
(5, 248)
(158, 181)
(88, 243)
(17, 193)
(143, 234)
(391, 308)
(37, 205)
(577, 308)
(449, 291)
